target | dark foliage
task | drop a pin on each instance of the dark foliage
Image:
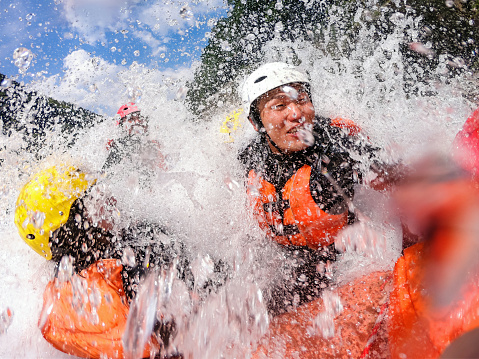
(34, 115)
(450, 28)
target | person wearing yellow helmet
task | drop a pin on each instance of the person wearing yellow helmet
(50, 209)
(55, 216)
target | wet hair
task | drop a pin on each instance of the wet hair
(254, 114)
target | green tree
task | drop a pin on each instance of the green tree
(237, 42)
(443, 31)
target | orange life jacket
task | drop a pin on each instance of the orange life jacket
(346, 124)
(302, 222)
(81, 327)
(435, 297)
(414, 329)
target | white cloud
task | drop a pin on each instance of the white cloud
(91, 18)
(95, 84)
(156, 46)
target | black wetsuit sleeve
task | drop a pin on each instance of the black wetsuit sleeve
(114, 156)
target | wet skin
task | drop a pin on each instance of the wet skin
(285, 110)
(134, 123)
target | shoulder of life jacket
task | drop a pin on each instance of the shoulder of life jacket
(292, 217)
(86, 316)
(346, 124)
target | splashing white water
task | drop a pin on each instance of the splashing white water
(201, 197)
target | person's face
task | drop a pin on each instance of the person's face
(134, 123)
(286, 111)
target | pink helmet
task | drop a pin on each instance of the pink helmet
(125, 110)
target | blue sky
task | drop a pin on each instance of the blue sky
(64, 36)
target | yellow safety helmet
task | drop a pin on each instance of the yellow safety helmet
(232, 123)
(44, 204)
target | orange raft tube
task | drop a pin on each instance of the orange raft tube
(87, 318)
(293, 334)
(435, 298)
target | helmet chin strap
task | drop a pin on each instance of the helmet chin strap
(259, 127)
(264, 133)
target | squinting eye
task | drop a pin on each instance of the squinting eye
(277, 107)
(303, 98)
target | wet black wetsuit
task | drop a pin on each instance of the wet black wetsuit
(151, 245)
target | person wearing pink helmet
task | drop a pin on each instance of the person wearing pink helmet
(135, 142)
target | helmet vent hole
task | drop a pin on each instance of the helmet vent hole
(259, 79)
(30, 236)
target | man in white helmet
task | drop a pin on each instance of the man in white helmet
(301, 173)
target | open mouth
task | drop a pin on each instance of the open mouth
(294, 130)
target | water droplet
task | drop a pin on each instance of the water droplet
(6, 319)
(65, 269)
(306, 136)
(253, 191)
(397, 18)
(95, 297)
(29, 17)
(186, 12)
(93, 88)
(421, 49)
(291, 92)
(231, 184)
(141, 317)
(37, 219)
(212, 22)
(278, 27)
(225, 46)
(449, 3)
(22, 58)
(128, 257)
(202, 268)
(457, 62)
(134, 94)
(181, 93)
(6, 83)
(278, 5)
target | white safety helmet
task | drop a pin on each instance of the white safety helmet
(267, 77)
